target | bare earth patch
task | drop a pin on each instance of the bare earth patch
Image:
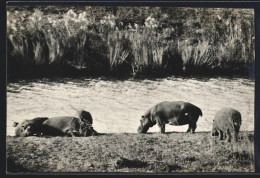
(130, 152)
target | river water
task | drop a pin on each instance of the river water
(117, 105)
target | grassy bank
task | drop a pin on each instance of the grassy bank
(155, 152)
(128, 41)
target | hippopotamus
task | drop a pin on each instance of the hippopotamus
(173, 113)
(67, 126)
(29, 127)
(227, 122)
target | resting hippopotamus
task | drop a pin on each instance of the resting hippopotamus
(67, 126)
(227, 122)
(29, 127)
(173, 113)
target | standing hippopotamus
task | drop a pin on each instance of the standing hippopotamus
(173, 113)
(29, 127)
(67, 126)
(227, 122)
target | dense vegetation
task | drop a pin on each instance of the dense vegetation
(46, 40)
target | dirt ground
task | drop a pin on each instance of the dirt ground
(130, 152)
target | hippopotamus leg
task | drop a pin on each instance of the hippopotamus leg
(228, 139)
(162, 128)
(235, 136)
(192, 127)
(231, 134)
(192, 124)
(235, 132)
(214, 133)
(160, 124)
(220, 134)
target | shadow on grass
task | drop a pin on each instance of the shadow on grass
(174, 132)
(12, 167)
(242, 156)
(156, 166)
(164, 167)
(126, 163)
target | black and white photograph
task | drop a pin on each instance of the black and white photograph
(137, 89)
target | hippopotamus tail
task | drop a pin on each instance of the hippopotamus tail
(199, 112)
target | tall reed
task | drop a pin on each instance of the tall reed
(95, 39)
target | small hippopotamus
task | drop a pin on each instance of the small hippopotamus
(29, 127)
(173, 113)
(227, 122)
(67, 126)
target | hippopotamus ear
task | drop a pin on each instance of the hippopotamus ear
(15, 124)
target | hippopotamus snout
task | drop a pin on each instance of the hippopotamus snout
(141, 129)
(26, 131)
(145, 123)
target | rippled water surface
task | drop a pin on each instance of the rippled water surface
(117, 105)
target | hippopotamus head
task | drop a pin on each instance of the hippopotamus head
(23, 129)
(29, 127)
(86, 129)
(145, 124)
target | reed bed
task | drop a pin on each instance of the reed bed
(131, 41)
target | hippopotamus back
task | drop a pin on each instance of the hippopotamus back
(176, 113)
(61, 126)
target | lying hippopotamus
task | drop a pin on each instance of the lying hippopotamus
(227, 122)
(173, 113)
(29, 127)
(67, 126)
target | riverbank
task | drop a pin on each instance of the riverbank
(131, 152)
